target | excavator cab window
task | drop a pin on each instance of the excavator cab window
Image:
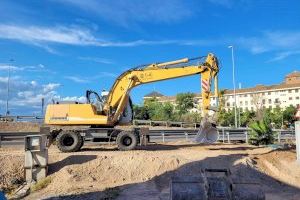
(94, 99)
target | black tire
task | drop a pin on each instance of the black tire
(126, 140)
(69, 141)
(82, 143)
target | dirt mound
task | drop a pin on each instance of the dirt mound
(19, 126)
(280, 164)
(101, 172)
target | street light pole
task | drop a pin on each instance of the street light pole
(7, 94)
(233, 81)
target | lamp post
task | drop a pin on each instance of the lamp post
(7, 91)
(233, 81)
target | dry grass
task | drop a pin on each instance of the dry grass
(41, 184)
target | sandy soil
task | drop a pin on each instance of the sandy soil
(19, 126)
(101, 172)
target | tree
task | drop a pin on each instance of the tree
(184, 102)
(276, 117)
(257, 100)
(168, 111)
(261, 133)
(226, 118)
(154, 110)
(191, 117)
(289, 114)
(247, 117)
(140, 112)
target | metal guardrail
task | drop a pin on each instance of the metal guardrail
(21, 118)
(165, 123)
(226, 134)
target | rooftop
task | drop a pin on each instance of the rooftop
(153, 94)
(258, 88)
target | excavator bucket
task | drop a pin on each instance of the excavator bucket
(208, 132)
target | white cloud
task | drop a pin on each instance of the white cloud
(25, 95)
(97, 60)
(30, 68)
(124, 12)
(50, 86)
(105, 74)
(271, 41)
(267, 41)
(284, 55)
(42, 36)
(35, 34)
(80, 99)
(77, 79)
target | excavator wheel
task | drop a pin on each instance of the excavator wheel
(126, 140)
(69, 141)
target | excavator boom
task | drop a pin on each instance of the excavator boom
(119, 93)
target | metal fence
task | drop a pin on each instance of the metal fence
(226, 134)
(21, 118)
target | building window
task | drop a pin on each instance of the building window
(228, 104)
(276, 100)
(246, 103)
(270, 101)
(269, 93)
(241, 103)
(263, 101)
(290, 91)
(290, 98)
(296, 90)
(297, 98)
(245, 95)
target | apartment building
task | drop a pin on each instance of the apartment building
(261, 96)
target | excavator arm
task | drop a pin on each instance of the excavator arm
(119, 94)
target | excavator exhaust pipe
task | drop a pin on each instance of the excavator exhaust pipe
(208, 132)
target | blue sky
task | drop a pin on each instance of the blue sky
(61, 48)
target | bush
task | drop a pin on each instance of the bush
(261, 133)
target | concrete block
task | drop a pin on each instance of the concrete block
(35, 173)
(183, 188)
(37, 158)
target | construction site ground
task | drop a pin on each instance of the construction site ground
(102, 172)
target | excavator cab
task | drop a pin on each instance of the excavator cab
(93, 98)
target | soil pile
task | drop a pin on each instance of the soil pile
(101, 172)
(19, 126)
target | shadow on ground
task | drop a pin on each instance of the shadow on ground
(235, 148)
(70, 160)
(243, 171)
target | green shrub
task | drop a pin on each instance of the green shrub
(261, 133)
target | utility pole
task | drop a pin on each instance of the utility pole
(43, 103)
(7, 94)
(233, 81)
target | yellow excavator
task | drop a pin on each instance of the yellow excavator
(102, 116)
